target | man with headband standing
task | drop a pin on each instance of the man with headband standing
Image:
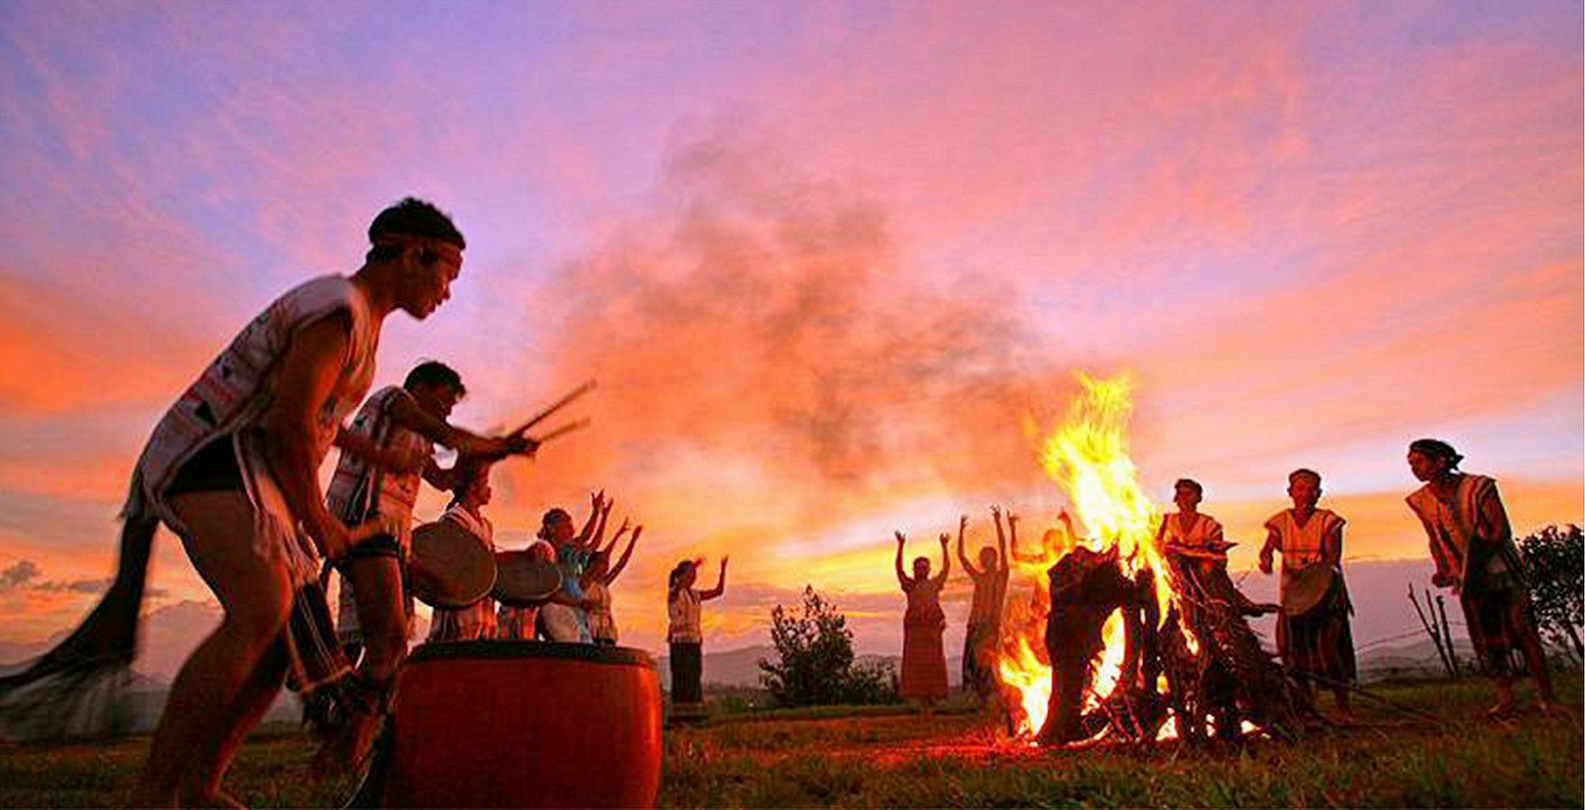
(1475, 555)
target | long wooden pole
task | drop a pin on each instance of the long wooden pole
(553, 407)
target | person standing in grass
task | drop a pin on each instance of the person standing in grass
(684, 635)
(924, 676)
(985, 614)
(1472, 544)
(1313, 633)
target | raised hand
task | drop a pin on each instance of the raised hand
(901, 538)
(945, 539)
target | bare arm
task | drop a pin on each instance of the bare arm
(963, 558)
(616, 539)
(599, 527)
(441, 478)
(720, 584)
(595, 502)
(627, 553)
(902, 578)
(1012, 531)
(946, 562)
(1272, 546)
(406, 412)
(1001, 546)
(291, 432)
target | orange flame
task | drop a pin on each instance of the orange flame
(1087, 457)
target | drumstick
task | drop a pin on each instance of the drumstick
(564, 429)
(556, 406)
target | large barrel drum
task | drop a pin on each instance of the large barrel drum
(525, 724)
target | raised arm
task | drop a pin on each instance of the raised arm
(946, 562)
(1002, 561)
(902, 578)
(963, 558)
(720, 584)
(599, 527)
(616, 539)
(627, 553)
(1012, 537)
(596, 501)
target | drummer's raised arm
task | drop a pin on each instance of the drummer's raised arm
(407, 413)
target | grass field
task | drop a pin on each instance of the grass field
(891, 758)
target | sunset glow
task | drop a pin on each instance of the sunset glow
(836, 267)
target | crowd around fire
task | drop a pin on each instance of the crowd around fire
(1136, 630)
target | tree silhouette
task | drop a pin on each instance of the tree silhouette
(814, 665)
(1555, 564)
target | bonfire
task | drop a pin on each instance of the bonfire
(1106, 636)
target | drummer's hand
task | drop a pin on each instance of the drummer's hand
(332, 537)
(1265, 563)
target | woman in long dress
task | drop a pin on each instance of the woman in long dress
(924, 676)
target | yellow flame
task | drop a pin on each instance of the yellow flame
(1087, 457)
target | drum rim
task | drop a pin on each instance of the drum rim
(512, 601)
(511, 649)
(451, 604)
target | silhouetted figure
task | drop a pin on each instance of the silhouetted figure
(982, 636)
(1475, 555)
(684, 634)
(924, 676)
(1313, 634)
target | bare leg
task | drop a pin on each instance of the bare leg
(201, 788)
(382, 615)
(256, 597)
(1535, 656)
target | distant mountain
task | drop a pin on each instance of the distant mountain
(740, 667)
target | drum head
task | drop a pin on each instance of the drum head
(449, 568)
(523, 580)
(1304, 588)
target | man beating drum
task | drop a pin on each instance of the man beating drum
(390, 447)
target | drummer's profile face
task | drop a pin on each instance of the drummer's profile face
(426, 281)
(439, 400)
(1424, 467)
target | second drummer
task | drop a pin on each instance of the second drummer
(400, 426)
(1313, 636)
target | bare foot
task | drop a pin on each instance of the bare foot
(1500, 711)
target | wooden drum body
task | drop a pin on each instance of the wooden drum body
(525, 724)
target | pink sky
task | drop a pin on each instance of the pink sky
(824, 259)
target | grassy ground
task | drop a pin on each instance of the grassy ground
(888, 758)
